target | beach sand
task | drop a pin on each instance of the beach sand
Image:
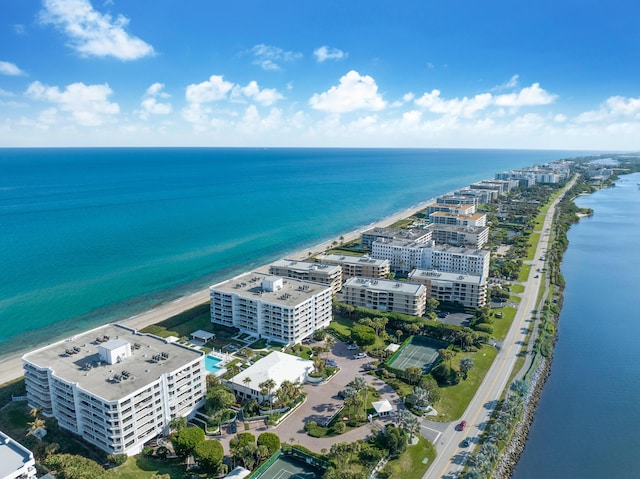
(11, 368)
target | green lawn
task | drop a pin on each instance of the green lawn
(515, 299)
(455, 399)
(517, 288)
(183, 324)
(411, 464)
(532, 243)
(146, 467)
(524, 273)
(501, 325)
(341, 326)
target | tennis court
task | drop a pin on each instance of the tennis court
(421, 353)
(288, 467)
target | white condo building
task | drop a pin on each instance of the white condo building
(359, 266)
(16, 461)
(468, 290)
(329, 274)
(407, 256)
(470, 236)
(414, 235)
(281, 309)
(115, 387)
(385, 295)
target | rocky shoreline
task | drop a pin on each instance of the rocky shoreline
(511, 454)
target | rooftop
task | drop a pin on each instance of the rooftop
(77, 360)
(385, 285)
(304, 266)
(250, 285)
(435, 275)
(277, 366)
(460, 229)
(13, 456)
(354, 259)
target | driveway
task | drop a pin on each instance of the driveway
(322, 403)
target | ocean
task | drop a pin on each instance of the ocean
(586, 422)
(90, 236)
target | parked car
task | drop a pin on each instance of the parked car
(352, 347)
(359, 355)
(461, 426)
(331, 363)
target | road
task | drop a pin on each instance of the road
(451, 457)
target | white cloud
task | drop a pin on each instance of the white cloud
(269, 56)
(528, 96)
(156, 90)
(92, 33)
(509, 84)
(465, 107)
(150, 105)
(5, 93)
(19, 29)
(265, 97)
(613, 108)
(560, 118)
(355, 92)
(10, 69)
(87, 104)
(215, 88)
(325, 53)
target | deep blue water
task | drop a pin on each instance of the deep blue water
(586, 425)
(95, 235)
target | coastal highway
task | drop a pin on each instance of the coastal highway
(452, 457)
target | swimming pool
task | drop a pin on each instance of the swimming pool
(212, 365)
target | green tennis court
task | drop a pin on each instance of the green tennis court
(288, 467)
(421, 352)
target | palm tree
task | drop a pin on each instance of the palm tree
(519, 387)
(420, 398)
(490, 450)
(36, 425)
(399, 334)
(329, 341)
(360, 384)
(266, 389)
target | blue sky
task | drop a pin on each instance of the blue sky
(462, 74)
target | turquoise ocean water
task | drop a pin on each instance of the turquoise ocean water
(95, 235)
(586, 425)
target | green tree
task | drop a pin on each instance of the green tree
(466, 365)
(266, 389)
(431, 386)
(219, 399)
(178, 423)
(271, 440)
(69, 466)
(420, 398)
(446, 355)
(393, 439)
(432, 305)
(363, 335)
(413, 374)
(185, 441)
(208, 455)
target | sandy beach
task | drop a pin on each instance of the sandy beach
(11, 368)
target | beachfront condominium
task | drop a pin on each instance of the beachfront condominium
(445, 218)
(416, 235)
(468, 290)
(385, 295)
(16, 461)
(454, 208)
(469, 236)
(406, 256)
(359, 266)
(285, 310)
(329, 274)
(115, 387)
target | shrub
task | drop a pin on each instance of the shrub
(271, 440)
(208, 455)
(444, 374)
(118, 459)
(484, 327)
(310, 425)
(339, 427)
(147, 451)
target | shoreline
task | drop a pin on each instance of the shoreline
(11, 367)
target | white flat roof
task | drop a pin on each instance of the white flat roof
(13, 455)
(385, 285)
(382, 406)
(277, 366)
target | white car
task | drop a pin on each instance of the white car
(352, 347)
(359, 355)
